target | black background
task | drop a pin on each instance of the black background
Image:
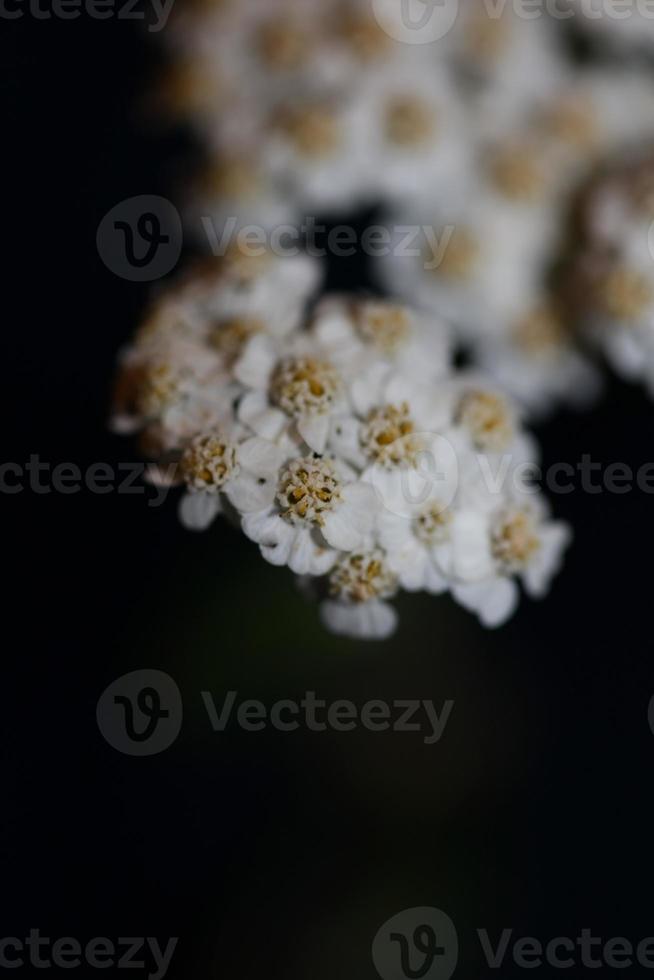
(268, 854)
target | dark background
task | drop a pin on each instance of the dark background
(269, 854)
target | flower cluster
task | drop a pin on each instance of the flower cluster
(490, 255)
(486, 134)
(307, 106)
(612, 277)
(339, 437)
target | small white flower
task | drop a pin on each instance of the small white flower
(538, 362)
(358, 588)
(314, 511)
(519, 541)
(297, 393)
(354, 333)
(222, 462)
(413, 133)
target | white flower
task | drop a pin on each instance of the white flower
(297, 394)
(358, 588)
(222, 462)
(511, 60)
(313, 149)
(538, 362)
(314, 511)
(414, 133)
(519, 541)
(349, 451)
(357, 333)
(475, 259)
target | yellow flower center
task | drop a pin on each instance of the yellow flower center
(208, 462)
(383, 325)
(517, 173)
(304, 386)
(410, 121)
(387, 436)
(486, 417)
(282, 46)
(432, 526)
(314, 131)
(308, 489)
(540, 333)
(485, 38)
(625, 294)
(158, 388)
(573, 122)
(229, 336)
(360, 578)
(233, 178)
(459, 257)
(515, 540)
(363, 35)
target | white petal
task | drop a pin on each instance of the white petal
(314, 429)
(494, 602)
(410, 565)
(344, 440)
(306, 557)
(472, 559)
(198, 510)
(374, 620)
(248, 493)
(366, 390)
(273, 534)
(435, 581)
(255, 411)
(260, 525)
(260, 456)
(349, 525)
(254, 367)
(394, 531)
(555, 538)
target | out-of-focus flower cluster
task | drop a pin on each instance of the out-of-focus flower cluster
(479, 141)
(611, 279)
(339, 437)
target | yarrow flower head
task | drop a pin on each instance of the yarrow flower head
(339, 438)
